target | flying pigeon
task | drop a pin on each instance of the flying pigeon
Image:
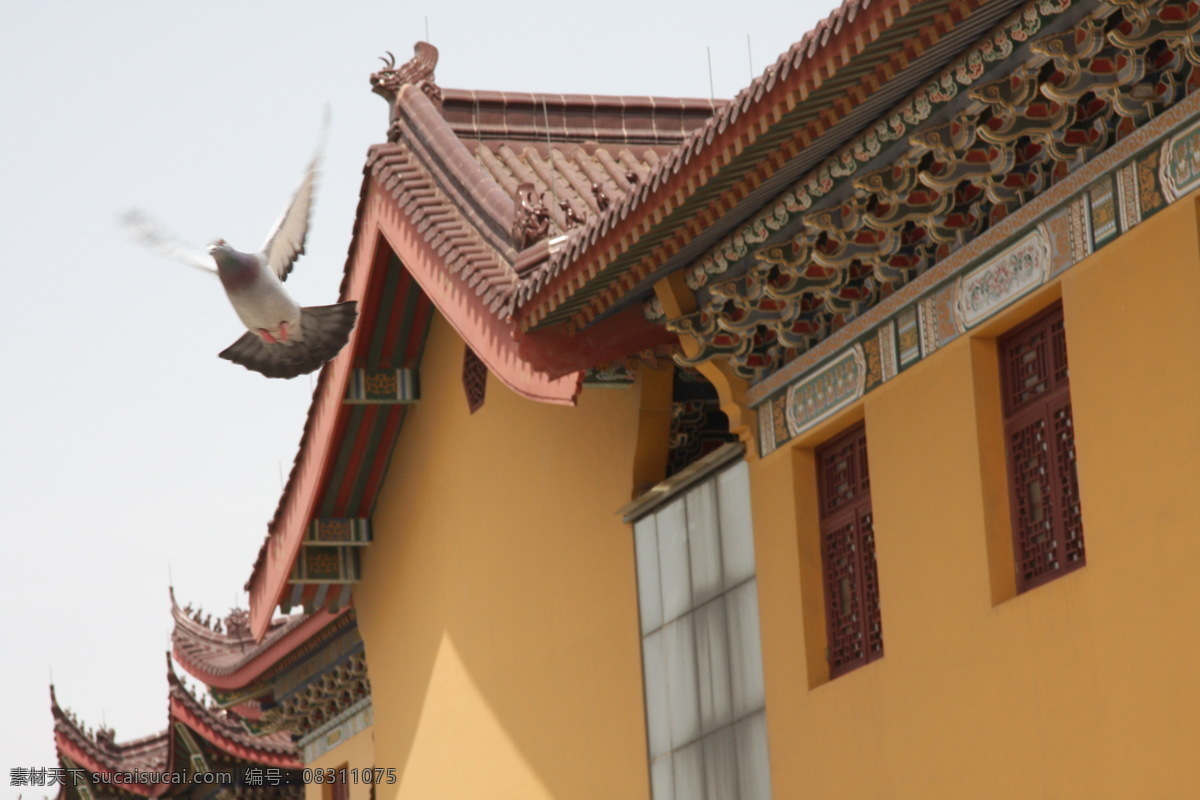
(282, 339)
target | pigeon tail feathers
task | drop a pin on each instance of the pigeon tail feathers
(325, 330)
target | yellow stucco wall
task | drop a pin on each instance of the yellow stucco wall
(1082, 688)
(356, 753)
(498, 601)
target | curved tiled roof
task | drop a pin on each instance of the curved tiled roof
(98, 750)
(826, 86)
(225, 731)
(208, 649)
(456, 168)
(448, 184)
(225, 656)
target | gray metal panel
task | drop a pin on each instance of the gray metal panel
(658, 705)
(712, 668)
(673, 560)
(737, 534)
(745, 649)
(680, 641)
(753, 765)
(720, 764)
(704, 542)
(645, 538)
(689, 772)
(662, 779)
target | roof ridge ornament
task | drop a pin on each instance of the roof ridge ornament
(532, 221)
(417, 71)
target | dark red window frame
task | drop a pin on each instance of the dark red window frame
(1039, 438)
(852, 616)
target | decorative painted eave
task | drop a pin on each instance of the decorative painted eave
(1128, 73)
(1008, 122)
(542, 366)
(97, 751)
(463, 255)
(161, 753)
(226, 734)
(231, 660)
(821, 91)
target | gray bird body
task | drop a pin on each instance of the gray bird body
(282, 339)
(256, 294)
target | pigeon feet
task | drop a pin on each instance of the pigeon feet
(278, 338)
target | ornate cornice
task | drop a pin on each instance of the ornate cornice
(1113, 193)
(764, 299)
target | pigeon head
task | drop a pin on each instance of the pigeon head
(231, 263)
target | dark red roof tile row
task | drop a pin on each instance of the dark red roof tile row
(205, 651)
(807, 65)
(573, 118)
(225, 731)
(98, 751)
(462, 202)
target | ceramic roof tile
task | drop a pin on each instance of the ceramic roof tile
(222, 647)
(224, 731)
(465, 153)
(753, 95)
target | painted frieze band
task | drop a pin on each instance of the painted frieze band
(1180, 163)
(825, 392)
(1015, 271)
(354, 720)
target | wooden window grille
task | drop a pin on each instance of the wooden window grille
(1040, 448)
(474, 377)
(853, 619)
(340, 789)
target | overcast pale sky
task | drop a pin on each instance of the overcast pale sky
(127, 448)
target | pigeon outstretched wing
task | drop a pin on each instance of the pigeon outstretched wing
(149, 233)
(285, 242)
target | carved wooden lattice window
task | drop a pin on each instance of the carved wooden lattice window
(853, 619)
(339, 789)
(1040, 443)
(474, 376)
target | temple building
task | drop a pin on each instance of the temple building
(824, 442)
(276, 715)
(204, 752)
(305, 680)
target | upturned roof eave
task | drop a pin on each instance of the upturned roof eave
(274, 750)
(717, 148)
(544, 367)
(256, 663)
